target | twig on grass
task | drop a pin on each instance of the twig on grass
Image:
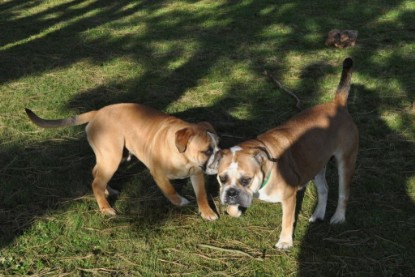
(387, 240)
(219, 260)
(214, 203)
(4, 169)
(126, 260)
(234, 251)
(96, 270)
(280, 86)
(171, 262)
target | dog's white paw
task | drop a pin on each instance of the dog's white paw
(108, 211)
(183, 201)
(210, 215)
(313, 219)
(178, 200)
(316, 217)
(284, 244)
(233, 210)
(338, 218)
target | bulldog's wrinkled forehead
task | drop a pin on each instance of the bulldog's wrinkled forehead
(236, 159)
(229, 158)
(233, 167)
(235, 149)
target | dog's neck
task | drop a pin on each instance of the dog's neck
(267, 167)
(266, 179)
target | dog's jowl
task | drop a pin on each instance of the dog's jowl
(275, 165)
(170, 148)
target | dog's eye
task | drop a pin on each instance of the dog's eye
(223, 179)
(245, 181)
(209, 151)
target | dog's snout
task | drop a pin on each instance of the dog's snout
(232, 196)
(232, 192)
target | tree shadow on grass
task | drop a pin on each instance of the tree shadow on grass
(37, 180)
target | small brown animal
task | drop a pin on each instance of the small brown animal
(341, 38)
(170, 148)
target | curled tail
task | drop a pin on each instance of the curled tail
(48, 123)
(344, 86)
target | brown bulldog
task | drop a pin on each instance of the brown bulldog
(170, 148)
(281, 161)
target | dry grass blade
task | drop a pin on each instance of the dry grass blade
(233, 251)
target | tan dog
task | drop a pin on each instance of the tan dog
(276, 164)
(171, 149)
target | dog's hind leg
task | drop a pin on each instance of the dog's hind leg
(108, 158)
(345, 167)
(103, 172)
(322, 190)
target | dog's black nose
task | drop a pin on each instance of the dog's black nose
(232, 192)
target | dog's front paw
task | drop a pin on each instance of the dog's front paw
(233, 210)
(183, 201)
(108, 211)
(209, 215)
(338, 218)
(178, 200)
(284, 244)
(315, 218)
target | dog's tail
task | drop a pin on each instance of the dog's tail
(344, 86)
(72, 121)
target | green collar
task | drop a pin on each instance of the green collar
(265, 182)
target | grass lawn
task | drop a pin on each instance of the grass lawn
(200, 60)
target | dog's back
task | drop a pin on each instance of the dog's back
(318, 133)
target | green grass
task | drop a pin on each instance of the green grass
(200, 60)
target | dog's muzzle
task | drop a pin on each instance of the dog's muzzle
(232, 196)
(235, 196)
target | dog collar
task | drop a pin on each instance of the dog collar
(265, 182)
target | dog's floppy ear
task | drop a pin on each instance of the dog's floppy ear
(260, 154)
(182, 138)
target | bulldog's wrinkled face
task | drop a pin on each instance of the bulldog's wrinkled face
(239, 176)
(200, 146)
